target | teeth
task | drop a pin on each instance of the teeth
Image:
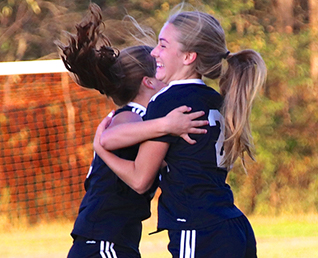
(159, 65)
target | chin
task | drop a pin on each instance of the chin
(159, 78)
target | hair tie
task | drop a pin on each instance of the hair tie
(226, 54)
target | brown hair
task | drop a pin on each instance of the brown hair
(94, 63)
(240, 79)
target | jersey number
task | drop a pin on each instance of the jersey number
(216, 119)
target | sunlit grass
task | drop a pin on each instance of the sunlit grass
(292, 236)
(285, 236)
(47, 240)
(304, 225)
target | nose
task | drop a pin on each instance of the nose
(154, 52)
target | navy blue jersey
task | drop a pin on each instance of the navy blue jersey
(194, 192)
(111, 210)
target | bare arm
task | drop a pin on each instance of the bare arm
(138, 174)
(176, 123)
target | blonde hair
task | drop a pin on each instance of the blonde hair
(240, 79)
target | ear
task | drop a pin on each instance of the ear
(190, 58)
(148, 82)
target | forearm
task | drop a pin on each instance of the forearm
(124, 135)
(125, 170)
(176, 123)
(139, 174)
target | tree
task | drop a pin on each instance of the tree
(313, 18)
(284, 14)
(28, 28)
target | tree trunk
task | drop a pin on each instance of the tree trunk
(284, 15)
(313, 19)
(284, 12)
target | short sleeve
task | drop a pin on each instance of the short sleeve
(160, 107)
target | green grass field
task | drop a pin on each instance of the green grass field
(285, 236)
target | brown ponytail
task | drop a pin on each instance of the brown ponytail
(88, 64)
(94, 63)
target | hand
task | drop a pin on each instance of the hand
(181, 124)
(100, 129)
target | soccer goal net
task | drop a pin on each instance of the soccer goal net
(47, 126)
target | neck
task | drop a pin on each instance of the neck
(141, 100)
(187, 75)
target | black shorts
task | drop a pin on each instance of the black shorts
(233, 238)
(88, 248)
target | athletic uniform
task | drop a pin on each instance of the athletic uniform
(196, 205)
(109, 219)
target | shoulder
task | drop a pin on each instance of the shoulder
(132, 107)
(125, 114)
(126, 117)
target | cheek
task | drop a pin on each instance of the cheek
(176, 57)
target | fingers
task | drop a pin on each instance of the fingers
(107, 120)
(187, 139)
(197, 131)
(195, 115)
(199, 123)
(183, 109)
(111, 114)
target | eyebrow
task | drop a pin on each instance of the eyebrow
(163, 39)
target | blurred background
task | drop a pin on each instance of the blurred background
(47, 122)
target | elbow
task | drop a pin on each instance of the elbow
(141, 186)
(141, 190)
(105, 144)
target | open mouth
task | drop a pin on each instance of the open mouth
(159, 65)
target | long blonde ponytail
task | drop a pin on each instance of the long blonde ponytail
(245, 75)
(240, 79)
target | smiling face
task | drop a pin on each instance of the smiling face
(172, 63)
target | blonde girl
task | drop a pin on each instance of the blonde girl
(196, 205)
